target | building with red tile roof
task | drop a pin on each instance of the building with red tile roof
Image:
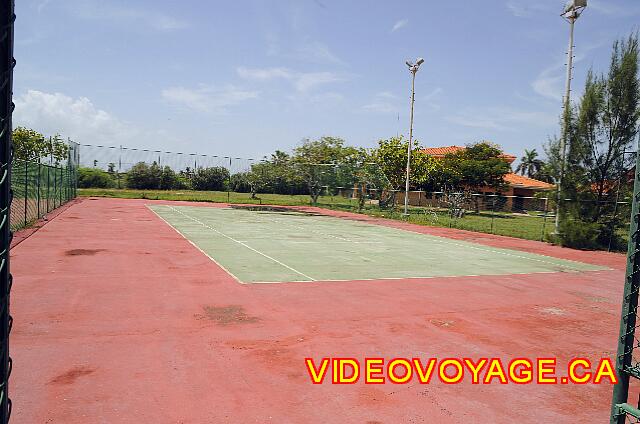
(519, 185)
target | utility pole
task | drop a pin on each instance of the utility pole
(413, 68)
(571, 13)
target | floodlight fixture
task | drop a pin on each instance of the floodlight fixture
(573, 9)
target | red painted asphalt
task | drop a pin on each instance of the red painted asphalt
(118, 319)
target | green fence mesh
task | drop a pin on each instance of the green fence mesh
(40, 188)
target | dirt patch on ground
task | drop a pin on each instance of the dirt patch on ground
(83, 252)
(72, 375)
(227, 315)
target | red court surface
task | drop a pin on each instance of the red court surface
(118, 319)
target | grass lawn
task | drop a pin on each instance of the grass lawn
(514, 225)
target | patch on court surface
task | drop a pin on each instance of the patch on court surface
(272, 246)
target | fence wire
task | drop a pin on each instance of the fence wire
(122, 159)
(39, 189)
(360, 187)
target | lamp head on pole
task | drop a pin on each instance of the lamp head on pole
(413, 67)
(573, 9)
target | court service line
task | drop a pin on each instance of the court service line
(195, 245)
(300, 227)
(241, 243)
(306, 228)
(438, 239)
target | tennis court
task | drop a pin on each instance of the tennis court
(269, 245)
(121, 303)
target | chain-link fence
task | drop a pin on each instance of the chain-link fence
(625, 407)
(39, 187)
(530, 218)
(359, 187)
(118, 162)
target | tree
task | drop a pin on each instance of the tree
(530, 165)
(314, 160)
(168, 179)
(94, 178)
(477, 166)
(391, 157)
(275, 175)
(239, 182)
(210, 179)
(57, 149)
(30, 145)
(602, 128)
(144, 177)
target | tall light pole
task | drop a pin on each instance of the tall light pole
(572, 11)
(413, 68)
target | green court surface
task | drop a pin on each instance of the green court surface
(269, 246)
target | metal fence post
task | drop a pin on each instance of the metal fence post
(544, 220)
(625, 368)
(7, 62)
(26, 190)
(48, 184)
(493, 213)
(229, 184)
(38, 188)
(55, 187)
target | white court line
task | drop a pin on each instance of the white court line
(469, 245)
(242, 244)
(196, 246)
(278, 221)
(430, 277)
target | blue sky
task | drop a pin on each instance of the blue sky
(244, 78)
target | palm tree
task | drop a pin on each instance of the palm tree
(530, 165)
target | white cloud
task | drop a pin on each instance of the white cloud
(523, 8)
(380, 107)
(308, 81)
(614, 9)
(328, 98)
(434, 93)
(383, 102)
(207, 99)
(399, 24)
(263, 74)
(550, 81)
(502, 119)
(42, 5)
(99, 10)
(77, 118)
(316, 52)
(302, 81)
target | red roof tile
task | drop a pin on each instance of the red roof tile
(440, 152)
(526, 182)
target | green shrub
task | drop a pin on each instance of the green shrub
(580, 234)
(140, 176)
(94, 178)
(168, 179)
(210, 179)
(240, 183)
(183, 182)
(153, 177)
